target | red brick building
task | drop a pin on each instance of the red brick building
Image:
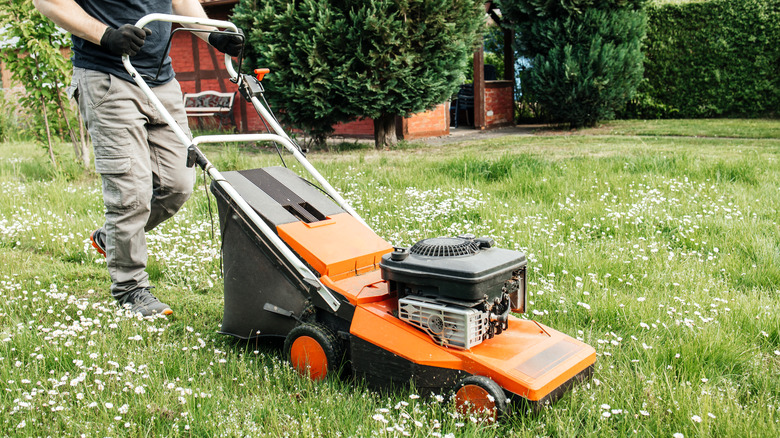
(194, 63)
(199, 67)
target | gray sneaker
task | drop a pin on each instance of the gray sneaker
(142, 301)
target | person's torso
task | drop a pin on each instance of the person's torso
(115, 13)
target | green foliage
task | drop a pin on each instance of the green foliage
(332, 61)
(493, 51)
(35, 60)
(15, 120)
(586, 59)
(711, 59)
(8, 123)
(293, 39)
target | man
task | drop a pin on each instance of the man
(141, 161)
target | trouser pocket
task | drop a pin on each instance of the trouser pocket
(115, 165)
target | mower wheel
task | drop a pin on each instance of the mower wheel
(313, 350)
(480, 395)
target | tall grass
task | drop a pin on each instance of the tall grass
(662, 253)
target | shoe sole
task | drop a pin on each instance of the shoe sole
(97, 247)
(165, 312)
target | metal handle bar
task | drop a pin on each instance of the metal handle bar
(281, 136)
(181, 19)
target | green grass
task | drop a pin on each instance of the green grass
(735, 128)
(662, 252)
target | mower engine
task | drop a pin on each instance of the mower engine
(458, 290)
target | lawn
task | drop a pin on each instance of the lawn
(660, 248)
(734, 128)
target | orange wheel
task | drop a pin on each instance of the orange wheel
(308, 357)
(479, 395)
(313, 350)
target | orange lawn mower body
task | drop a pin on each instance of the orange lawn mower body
(301, 264)
(394, 325)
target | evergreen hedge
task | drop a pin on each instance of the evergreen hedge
(711, 59)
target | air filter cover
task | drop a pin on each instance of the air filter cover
(459, 268)
(445, 247)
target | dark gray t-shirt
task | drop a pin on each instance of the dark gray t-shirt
(115, 13)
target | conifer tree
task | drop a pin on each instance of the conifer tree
(333, 61)
(586, 59)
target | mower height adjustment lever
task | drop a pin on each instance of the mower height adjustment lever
(250, 87)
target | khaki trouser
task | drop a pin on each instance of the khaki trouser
(142, 164)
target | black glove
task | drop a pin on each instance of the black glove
(229, 43)
(127, 40)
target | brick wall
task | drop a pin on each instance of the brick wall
(5, 76)
(361, 128)
(433, 123)
(499, 104)
(199, 67)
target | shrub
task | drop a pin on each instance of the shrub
(332, 61)
(585, 56)
(8, 123)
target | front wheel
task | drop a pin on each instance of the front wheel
(313, 350)
(480, 395)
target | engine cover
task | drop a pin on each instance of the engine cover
(462, 269)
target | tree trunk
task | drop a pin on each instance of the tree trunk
(48, 132)
(77, 149)
(384, 132)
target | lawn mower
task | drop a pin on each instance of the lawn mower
(301, 264)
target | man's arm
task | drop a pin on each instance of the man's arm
(127, 40)
(192, 8)
(230, 44)
(71, 17)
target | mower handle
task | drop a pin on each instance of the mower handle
(181, 19)
(180, 134)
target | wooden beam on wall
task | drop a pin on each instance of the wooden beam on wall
(195, 62)
(509, 56)
(479, 88)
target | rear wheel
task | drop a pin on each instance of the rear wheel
(480, 395)
(313, 350)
